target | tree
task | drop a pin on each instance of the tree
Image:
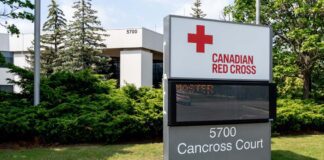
(103, 66)
(13, 9)
(85, 39)
(52, 41)
(298, 31)
(197, 12)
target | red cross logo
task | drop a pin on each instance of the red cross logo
(200, 38)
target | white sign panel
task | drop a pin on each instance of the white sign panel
(207, 49)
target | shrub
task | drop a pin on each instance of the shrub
(80, 107)
(299, 115)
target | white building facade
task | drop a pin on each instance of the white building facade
(136, 56)
(14, 49)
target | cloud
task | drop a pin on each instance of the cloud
(118, 14)
(105, 14)
(67, 9)
(168, 3)
(159, 29)
(109, 16)
(161, 1)
(24, 26)
(213, 8)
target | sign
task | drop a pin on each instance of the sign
(209, 49)
(212, 102)
(217, 90)
(221, 142)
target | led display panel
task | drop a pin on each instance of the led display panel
(214, 101)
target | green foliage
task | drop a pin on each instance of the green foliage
(197, 12)
(242, 11)
(83, 107)
(299, 115)
(52, 41)
(85, 39)
(318, 81)
(2, 59)
(78, 49)
(102, 66)
(298, 36)
(150, 109)
(14, 9)
(80, 107)
(285, 74)
(291, 88)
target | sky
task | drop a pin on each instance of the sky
(121, 14)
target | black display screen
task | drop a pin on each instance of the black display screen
(213, 101)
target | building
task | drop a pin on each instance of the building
(14, 49)
(136, 56)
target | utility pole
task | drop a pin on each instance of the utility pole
(37, 52)
(257, 14)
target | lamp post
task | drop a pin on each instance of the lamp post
(257, 14)
(37, 52)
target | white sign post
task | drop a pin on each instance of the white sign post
(214, 55)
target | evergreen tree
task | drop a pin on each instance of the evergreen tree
(52, 41)
(85, 39)
(197, 12)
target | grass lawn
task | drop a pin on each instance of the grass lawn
(306, 147)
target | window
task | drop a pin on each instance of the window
(6, 88)
(157, 73)
(115, 68)
(8, 56)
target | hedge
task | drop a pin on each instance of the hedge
(86, 111)
(82, 107)
(298, 115)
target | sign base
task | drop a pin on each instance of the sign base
(223, 142)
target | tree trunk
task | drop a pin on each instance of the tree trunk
(307, 84)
